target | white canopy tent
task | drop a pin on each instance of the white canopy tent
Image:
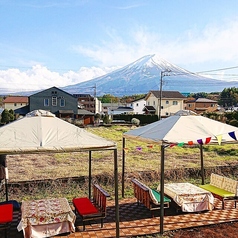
(41, 132)
(184, 128)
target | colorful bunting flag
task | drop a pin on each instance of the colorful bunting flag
(219, 139)
(232, 135)
(200, 141)
(208, 140)
(171, 145)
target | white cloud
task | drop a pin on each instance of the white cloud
(215, 43)
(39, 77)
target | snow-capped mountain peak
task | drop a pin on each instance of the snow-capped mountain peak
(144, 74)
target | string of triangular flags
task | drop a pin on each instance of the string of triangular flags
(199, 141)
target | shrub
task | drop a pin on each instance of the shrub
(135, 121)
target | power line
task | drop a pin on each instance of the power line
(213, 70)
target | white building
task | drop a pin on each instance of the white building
(137, 106)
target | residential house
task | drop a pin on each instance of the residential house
(121, 110)
(85, 116)
(171, 102)
(107, 108)
(201, 105)
(55, 100)
(137, 106)
(89, 103)
(15, 102)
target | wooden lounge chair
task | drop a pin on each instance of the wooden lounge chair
(92, 209)
(147, 196)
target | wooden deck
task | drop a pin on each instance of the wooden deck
(136, 221)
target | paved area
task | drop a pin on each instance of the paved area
(137, 221)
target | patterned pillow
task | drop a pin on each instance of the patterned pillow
(230, 185)
(216, 180)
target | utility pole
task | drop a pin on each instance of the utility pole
(162, 74)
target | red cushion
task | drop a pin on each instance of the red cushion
(6, 211)
(84, 206)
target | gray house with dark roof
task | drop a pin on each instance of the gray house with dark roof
(56, 101)
(171, 102)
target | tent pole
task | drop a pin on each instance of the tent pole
(123, 167)
(162, 190)
(90, 174)
(202, 165)
(6, 189)
(116, 194)
(3, 162)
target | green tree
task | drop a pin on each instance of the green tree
(11, 115)
(229, 97)
(198, 95)
(108, 98)
(5, 117)
(134, 97)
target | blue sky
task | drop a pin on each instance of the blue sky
(62, 42)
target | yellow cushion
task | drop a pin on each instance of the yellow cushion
(218, 191)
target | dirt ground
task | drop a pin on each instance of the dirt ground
(226, 230)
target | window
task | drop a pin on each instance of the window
(154, 103)
(137, 104)
(148, 103)
(62, 102)
(54, 101)
(46, 102)
(54, 92)
(15, 104)
(175, 102)
(167, 102)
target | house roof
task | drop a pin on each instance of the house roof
(22, 110)
(123, 109)
(190, 100)
(84, 112)
(66, 111)
(52, 88)
(205, 100)
(137, 100)
(166, 94)
(149, 109)
(16, 99)
(82, 95)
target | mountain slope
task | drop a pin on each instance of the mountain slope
(144, 75)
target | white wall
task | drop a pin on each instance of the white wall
(137, 106)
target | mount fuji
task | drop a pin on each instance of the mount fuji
(144, 75)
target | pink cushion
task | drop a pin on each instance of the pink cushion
(84, 206)
(6, 211)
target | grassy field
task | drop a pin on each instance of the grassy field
(142, 163)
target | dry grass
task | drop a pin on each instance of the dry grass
(141, 163)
